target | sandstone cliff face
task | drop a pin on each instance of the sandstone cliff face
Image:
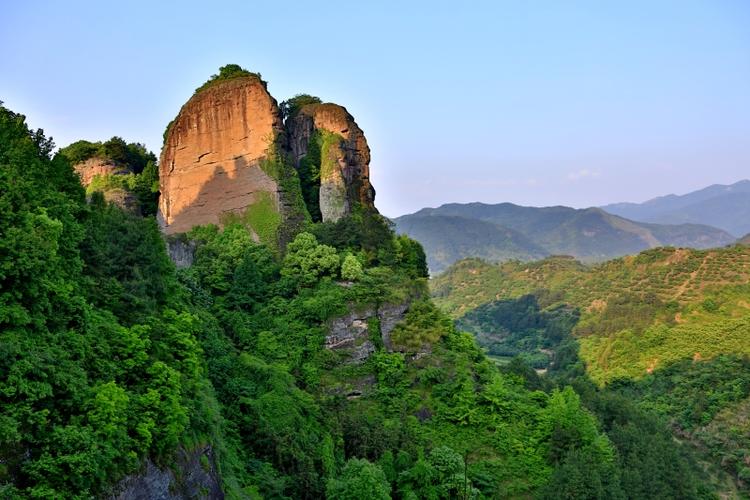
(92, 167)
(343, 155)
(219, 159)
(228, 156)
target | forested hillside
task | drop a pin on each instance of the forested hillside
(669, 328)
(506, 231)
(114, 363)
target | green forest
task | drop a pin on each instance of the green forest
(112, 358)
(668, 330)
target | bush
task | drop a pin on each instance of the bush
(307, 261)
(351, 269)
(359, 479)
(227, 72)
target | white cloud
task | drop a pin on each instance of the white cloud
(583, 174)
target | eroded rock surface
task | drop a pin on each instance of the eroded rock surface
(218, 157)
(354, 333)
(197, 477)
(92, 167)
(344, 157)
(181, 252)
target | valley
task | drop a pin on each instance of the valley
(667, 328)
(505, 232)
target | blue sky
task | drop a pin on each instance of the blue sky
(537, 103)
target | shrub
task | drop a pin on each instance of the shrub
(351, 269)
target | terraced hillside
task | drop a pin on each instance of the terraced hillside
(668, 329)
(637, 313)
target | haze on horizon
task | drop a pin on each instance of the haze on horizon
(577, 104)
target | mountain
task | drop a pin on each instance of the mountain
(667, 328)
(724, 206)
(232, 154)
(517, 232)
(448, 239)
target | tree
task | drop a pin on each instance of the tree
(351, 269)
(359, 479)
(307, 261)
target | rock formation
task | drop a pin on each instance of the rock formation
(103, 167)
(93, 167)
(352, 334)
(221, 159)
(341, 155)
(229, 156)
(193, 474)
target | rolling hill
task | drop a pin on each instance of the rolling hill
(506, 231)
(447, 239)
(668, 329)
(724, 206)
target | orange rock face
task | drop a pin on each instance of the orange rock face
(211, 162)
(345, 164)
(92, 167)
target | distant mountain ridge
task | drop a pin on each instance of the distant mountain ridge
(724, 206)
(506, 231)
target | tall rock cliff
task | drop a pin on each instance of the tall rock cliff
(332, 156)
(229, 156)
(223, 159)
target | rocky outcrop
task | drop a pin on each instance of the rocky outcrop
(229, 156)
(181, 251)
(194, 476)
(93, 167)
(102, 167)
(221, 159)
(357, 333)
(123, 199)
(342, 154)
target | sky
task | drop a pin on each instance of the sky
(577, 103)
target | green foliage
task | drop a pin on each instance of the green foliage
(359, 479)
(423, 325)
(97, 369)
(320, 162)
(309, 176)
(520, 327)
(228, 72)
(351, 269)
(132, 155)
(291, 106)
(654, 327)
(637, 313)
(108, 355)
(262, 218)
(146, 189)
(307, 261)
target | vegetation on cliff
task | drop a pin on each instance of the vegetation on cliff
(132, 155)
(228, 72)
(291, 106)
